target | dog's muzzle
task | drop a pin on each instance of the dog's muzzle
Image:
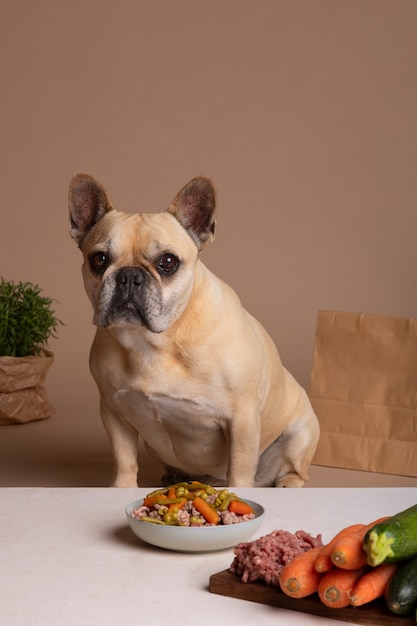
(127, 303)
(129, 280)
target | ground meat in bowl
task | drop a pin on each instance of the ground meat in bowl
(189, 516)
(264, 558)
(193, 503)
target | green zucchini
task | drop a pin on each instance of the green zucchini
(401, 591)
(393, 540)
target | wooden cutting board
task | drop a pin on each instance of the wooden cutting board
(227, 584)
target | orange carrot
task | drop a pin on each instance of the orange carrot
(335, 586)
(348, 552)
(323, 562)
(151, 500)
(298, 578)
(209, 514)
(177, 505)
(372, 584)
(241, 508)
(172, 493)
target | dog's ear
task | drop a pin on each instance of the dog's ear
(194, 206)
(88, 203)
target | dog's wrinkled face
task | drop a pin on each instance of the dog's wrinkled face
(139, 268)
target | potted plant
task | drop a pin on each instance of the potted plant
(27, 321)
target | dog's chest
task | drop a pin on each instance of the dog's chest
(178, 407)
(172, 412)
(162, 388)
(179, 430)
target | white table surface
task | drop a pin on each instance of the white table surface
(67, 557)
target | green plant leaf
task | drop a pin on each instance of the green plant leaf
(27, 319)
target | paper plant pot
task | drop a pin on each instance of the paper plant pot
(23, 395)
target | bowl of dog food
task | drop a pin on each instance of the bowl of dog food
(194, 517)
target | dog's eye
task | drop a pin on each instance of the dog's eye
(167, 264)
(99, 262)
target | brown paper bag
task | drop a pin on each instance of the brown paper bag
(23, 396)
(364, 391)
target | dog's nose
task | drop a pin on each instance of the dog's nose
(129, 277)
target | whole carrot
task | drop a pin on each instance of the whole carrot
(209, 514)
(241, 508)
(335, 586)
(299, 579)
(372, 584)
(348, 551)
(323, 562)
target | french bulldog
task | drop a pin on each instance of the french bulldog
(177, 360)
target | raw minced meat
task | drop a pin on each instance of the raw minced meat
(264, 558)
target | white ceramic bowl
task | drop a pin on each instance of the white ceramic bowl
(194, 539)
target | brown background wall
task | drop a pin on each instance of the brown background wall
(303, 112)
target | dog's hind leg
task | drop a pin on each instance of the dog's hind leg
(286, 461)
